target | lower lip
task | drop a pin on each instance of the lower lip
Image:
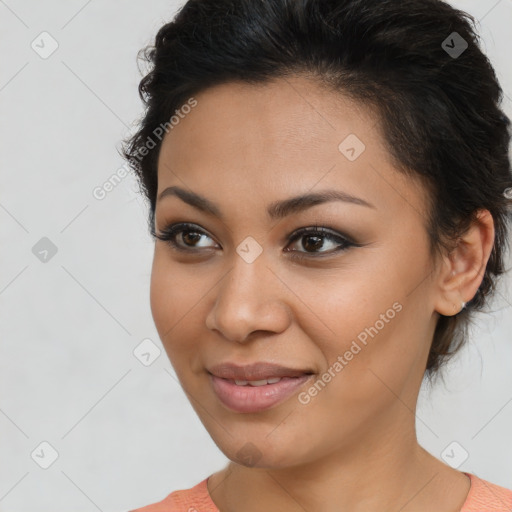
(255, 398)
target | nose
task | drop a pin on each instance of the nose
(250, 298)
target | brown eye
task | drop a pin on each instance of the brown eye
(310, 242)
(319, 241)
(183, 236)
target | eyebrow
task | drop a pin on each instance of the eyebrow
(276, 210)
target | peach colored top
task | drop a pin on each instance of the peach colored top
(483, 496)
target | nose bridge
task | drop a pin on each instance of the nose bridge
(247, 300)
(244, 285)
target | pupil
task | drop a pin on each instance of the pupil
(316, 245)
(194, 238)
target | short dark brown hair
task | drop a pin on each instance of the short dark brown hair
(438, 101)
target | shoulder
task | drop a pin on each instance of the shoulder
(195, 499)
(485, 496)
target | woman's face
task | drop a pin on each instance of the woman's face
(358, 315)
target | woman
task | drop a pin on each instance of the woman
(328, 184)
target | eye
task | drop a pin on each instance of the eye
(190, 238)
(312, 239)
(189, 234)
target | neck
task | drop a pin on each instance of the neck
(383, 469)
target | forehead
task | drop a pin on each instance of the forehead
(268, 118)
(279, 138)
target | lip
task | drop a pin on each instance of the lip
(255, 371)
(251, 399)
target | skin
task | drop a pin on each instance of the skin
(353, 446)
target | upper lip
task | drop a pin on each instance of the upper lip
(255, 371)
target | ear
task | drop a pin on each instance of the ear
(462, 271)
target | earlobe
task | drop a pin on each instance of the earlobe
(464, 268)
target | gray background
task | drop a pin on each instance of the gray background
(124, 432)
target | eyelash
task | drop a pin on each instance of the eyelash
(169, 233)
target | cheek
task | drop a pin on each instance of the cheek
(162, 295)
(345, 304)
(365, 327)
(174, 290)
(174, 301)
(377, 358)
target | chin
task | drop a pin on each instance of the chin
(254, 451)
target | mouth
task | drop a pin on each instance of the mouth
(263, 382)
(257, 374)
(243, 393)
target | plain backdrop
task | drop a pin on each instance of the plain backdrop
(74, 282)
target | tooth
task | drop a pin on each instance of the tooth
(257, 382)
